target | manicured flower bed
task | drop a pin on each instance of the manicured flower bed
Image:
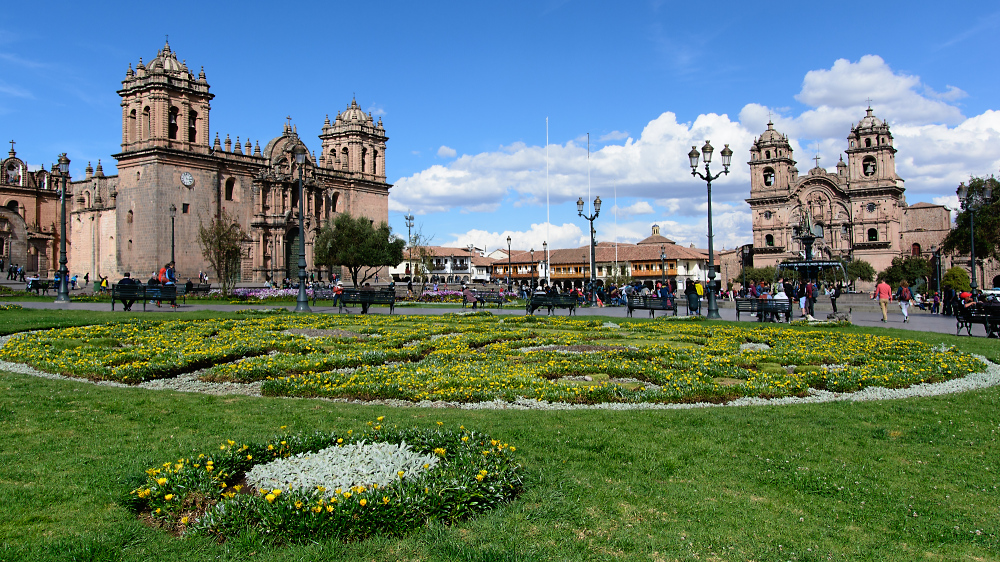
(464, 473)
(480, 357)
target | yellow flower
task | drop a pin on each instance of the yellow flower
(270, 498)
(380, 418)
(270, 447)
(363, 502)
(168, 497)
(385, 499)
(161, 481)
(184, 520)
(401, 473)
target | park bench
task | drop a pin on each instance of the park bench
(197, 289)
(144, 293)
(536, 301)
(492, 297)
(765, 309)
(366, 298)
(651, 303)
(37, 285)
(985, 313)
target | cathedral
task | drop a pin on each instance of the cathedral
(859, 211)
(29, 217)
(172, 178)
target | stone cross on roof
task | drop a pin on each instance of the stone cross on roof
(816, 158)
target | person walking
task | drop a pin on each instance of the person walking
(692, 297)
(883, 292)
(837, 290)
(903, 295)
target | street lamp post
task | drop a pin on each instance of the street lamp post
(409, 241)
(173, 215)
(63, 293)
(509, 272)
(593, 244)
(972, 202)
(302, 303)
(727, 156)
(663, 259)
(744, 254)
(545, 260)
(472, 249)
(531, 272)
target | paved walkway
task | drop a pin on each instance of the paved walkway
(919, 320)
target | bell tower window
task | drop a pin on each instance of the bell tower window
(868, 143)
(172, 131)
(193, 126)
(131, 126)
(345, 161)
(868, 166)
(768, 176)
(230, 184)
(872, 235)
(769, 240)
(147, 125)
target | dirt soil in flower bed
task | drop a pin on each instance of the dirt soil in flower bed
(314, 333)
(580, 348)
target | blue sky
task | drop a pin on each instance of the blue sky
(464, 90)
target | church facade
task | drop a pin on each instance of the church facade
(172, 178)
(29, 216)
(860, 210)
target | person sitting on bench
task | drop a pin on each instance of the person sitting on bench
(127, 280)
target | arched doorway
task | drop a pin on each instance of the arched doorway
(996, 281)
(292, 244)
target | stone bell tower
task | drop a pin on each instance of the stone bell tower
(164, 105)
(355, 144)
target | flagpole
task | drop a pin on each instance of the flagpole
(589, 202)
(548, 219)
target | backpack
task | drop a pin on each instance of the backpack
(904, 294)
(163, 275)
(698, 289)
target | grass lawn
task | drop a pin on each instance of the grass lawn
(899, 480)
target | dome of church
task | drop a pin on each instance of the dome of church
(279, 146)
(354, 113)
(770, 134)
(869, 121)
(166, 60)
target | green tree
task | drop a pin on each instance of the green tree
(860, 270)
(912, 269)
(756, 274)
(357, 244)
(956, 278)
(222, 246)
(987, 228)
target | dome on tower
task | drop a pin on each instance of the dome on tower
(770, 134)
(354, 113)
(869, 121)
(166, 61)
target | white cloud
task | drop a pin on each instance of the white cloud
(447, 152)
(566, 235)
(637, 208)
(938, 148)
(613, 136)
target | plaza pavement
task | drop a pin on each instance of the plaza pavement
(861, 316)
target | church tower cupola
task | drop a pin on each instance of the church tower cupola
(355, 144)
(165, 106)
(771, 164)
(871, 158)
